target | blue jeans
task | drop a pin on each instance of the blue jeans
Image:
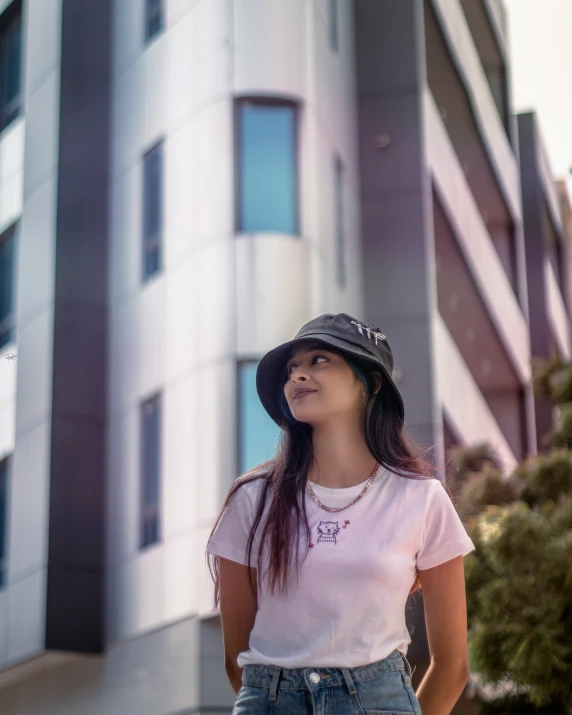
(379, 688)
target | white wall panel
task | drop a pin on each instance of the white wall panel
(199, 61)
(214, 464)
(181, 308)
(273, 279)
(201, 444)
(28, 191)
(11, 200)
(270, 47)
(122, 612)
(33, 387)
(122, 494)
(37, 252)
(199, 183)
(7, 401)
(181, 574)
(212, 276)
(125, 241)
(154, 66)
(175, 10)
(137, 347)
(150, 306)
(29, 502)
(42, 134)
(43, 23)
(124, 346)
(151, 588)
(11, 173)
(26, 609)
(128, 119)
(331, 79)
(4, 614)
(12, 149)
(182, 426)
(128, 20)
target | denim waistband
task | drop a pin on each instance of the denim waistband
(274, 676)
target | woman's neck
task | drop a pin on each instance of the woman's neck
(341, 457)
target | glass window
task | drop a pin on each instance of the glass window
(10, 70)
(153, 18)
(334, 25)
(267, 176)
(340, 229)
(7, 242)
(150, 472)
(152, 209)
(258, 433)
(3, 518)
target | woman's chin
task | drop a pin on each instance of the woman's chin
(306, 415)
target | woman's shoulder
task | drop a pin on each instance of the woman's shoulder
(412, 480)
(253, 482)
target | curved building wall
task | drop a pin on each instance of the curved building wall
(223, 287)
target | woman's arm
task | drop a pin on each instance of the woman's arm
(235, 677)
(445, 605)
(238, 607)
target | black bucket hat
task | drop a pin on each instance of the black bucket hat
(339, 330)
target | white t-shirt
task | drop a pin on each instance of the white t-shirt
(349, 606)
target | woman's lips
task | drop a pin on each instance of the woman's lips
(304, 393)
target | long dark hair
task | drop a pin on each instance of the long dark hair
(285, 475)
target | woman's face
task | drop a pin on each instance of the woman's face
(335, 390)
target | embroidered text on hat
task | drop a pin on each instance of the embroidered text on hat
(361, 328)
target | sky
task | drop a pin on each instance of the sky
(540, 46)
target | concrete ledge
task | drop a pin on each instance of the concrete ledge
(459, 40)
(475, 243)
(557, 315)
(470, 418)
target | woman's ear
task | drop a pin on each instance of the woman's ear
(378, 382)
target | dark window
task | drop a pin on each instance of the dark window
(258, 433)
(3, 518)
(152, 209)
(334, 24)
(7, 268)
(150, 472)
(339, 198)
(10, 67)
(154, 20)
(267, 181)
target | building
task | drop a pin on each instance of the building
(182, 186)
(547, 246)
(566, 207)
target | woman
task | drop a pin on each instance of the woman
(348, 490)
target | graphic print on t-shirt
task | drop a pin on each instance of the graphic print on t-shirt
(328, 530)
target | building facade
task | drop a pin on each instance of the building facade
(547, 231)
(183, 184)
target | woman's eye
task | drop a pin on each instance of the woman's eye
(314, 358)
